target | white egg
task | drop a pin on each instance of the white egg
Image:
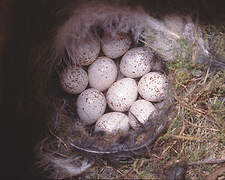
(140, 111)
(74, 79)
(136, 62)
(88, 51)
(114, 46)
(91, 104)
(102, 73)
(113, 123)
(122, 94)
(153, 87)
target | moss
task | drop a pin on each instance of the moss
(182, 76)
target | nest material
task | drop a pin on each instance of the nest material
(69, 148)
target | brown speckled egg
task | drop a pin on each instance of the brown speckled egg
(115, 45)
(112, 123)
(122, 94)
(153, 87)
(140, 110)
(74, 79)
(91, 104)
(88, 51)
(136, 62)
(102, 73)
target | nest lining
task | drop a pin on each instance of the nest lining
(71, 141)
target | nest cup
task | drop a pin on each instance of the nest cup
(70, 147)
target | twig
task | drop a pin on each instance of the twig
(172, 33)
(189, 106)
(147, 44)
(185, 88)
(200, 126)
(207, 161)
(135, 169)
(206, 76)
(202, 91)
(126, 174)
(190, 138)
(58, 139)
(169, 147)
(142, 163)
(57, 153)
(118, 171)
(207, 87)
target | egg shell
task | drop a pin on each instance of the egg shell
(91, 104)
(113, 123)
(136, 62)
(102, 73)
(115, 45)
(88, 51)
(122, 94)
(153, 86)
(74, 79)
(141, 111)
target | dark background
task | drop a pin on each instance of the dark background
(21, 120)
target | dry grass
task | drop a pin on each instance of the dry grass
(198, 131)
(195, 135)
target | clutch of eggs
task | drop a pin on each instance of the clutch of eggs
(130, 100)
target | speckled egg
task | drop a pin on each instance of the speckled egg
(153, 86)
(74, 79)
(140, 111)
(115, 45)
(122, 94)
(88, 51)
(113, 123)
(102, 73)
(91, 104)
(136, 62)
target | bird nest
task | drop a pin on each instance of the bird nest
(68, 147)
